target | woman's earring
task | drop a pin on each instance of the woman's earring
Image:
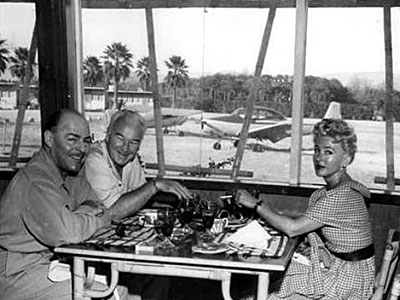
(343, 168)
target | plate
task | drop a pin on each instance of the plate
(237, 223)
(234, 226)
(211, 249)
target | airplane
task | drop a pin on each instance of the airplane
(266, 124)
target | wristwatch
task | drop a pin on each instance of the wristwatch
(258, 203)
(155, 184)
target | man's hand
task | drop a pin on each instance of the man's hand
(92, 206)
(244, 198)
(131, 202)
(171, 186)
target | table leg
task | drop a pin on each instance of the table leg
(262, 288)
(226, 285)
(78, 279)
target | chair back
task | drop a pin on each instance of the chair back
(387, 283)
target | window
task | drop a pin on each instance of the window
(218, 50)
(205, 62)
(17, 22)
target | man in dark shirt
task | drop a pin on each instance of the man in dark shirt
(49, 203)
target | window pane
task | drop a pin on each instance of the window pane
(217, 49)
(353, 53)
(16, 29)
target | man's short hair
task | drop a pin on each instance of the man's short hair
(123, 115)
(54, 119)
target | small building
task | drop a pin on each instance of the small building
(9, 94)
(130, 98)
(95, 100)
(94, 97)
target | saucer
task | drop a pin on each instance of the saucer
(237, 223)
(210, 248)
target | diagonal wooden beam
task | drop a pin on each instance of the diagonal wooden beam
(253, 92)
(154, 90)
(19, 123)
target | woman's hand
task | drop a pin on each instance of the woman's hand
(244, 198)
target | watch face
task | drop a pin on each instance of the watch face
(257, 204)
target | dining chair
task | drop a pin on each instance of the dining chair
(387, 283)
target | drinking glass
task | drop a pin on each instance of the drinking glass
(165, 225)
(208, 216)
(186, 211)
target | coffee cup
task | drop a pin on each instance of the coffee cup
(219, 225)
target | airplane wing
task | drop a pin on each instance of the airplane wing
(170, 120)
(179, 111)
(170, 116)
(274, 133)
(216, 132)
(176, 116)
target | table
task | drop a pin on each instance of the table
(182, 263)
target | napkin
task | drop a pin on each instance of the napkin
(252, 235)
(59, 271)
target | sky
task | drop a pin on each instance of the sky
(220, 40)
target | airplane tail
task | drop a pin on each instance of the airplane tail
(333, 111)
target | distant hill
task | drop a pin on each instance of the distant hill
(376, 79)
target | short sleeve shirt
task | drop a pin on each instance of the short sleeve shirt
(343, 212)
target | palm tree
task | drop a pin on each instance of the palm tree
(3, 56)
(20, 62)
(177, 75)
(143, 72)
(92, 71)
(118, 61)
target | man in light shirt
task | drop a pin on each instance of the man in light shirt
(113, 168)
(115, 174)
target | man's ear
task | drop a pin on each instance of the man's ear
(48, 138)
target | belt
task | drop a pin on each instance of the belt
(357, 255)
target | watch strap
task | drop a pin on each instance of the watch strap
(258, 203)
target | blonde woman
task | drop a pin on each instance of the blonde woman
(336, 222)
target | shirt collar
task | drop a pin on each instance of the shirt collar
(108, 157)
(354, 185)
(44, 156)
